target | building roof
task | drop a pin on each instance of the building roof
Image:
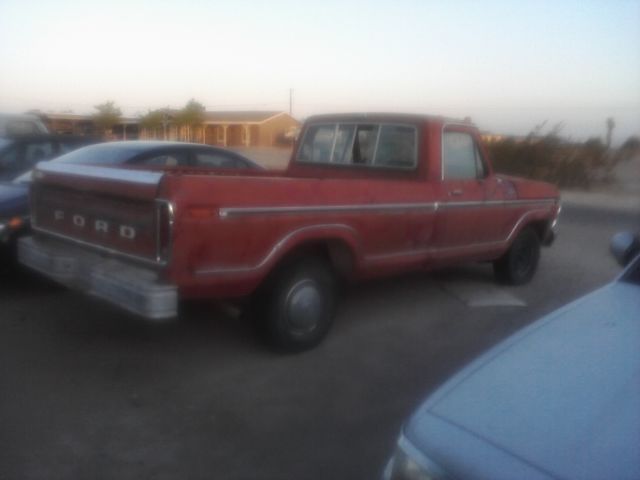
(240, 116)
(82, 117)
(384, 117)
(236, 116)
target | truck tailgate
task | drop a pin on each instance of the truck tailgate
(108, 209)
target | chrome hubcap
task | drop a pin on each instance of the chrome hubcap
(304, 307)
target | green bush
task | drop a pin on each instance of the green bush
(553, 159)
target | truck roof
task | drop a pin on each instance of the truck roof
(383, 117)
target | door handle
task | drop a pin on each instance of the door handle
(455, 193)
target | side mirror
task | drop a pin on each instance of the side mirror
(624, 247)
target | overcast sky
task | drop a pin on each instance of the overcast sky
(507, 64)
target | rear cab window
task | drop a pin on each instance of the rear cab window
(362, 144)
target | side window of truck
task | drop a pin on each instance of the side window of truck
(460, 157)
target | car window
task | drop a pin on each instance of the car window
(364, 144)
(460, 156)
(481, 170)
(9, 162)
(23, 127)
(164, 159)
(68, 146)
(37, 151)
(375, 145)
(344, 143)
(396, 146)
(318, 143)
(217, 160)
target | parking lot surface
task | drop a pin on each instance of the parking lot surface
(87, 391)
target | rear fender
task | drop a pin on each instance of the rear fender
(338, 241)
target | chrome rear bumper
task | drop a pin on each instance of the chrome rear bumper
(131, 287)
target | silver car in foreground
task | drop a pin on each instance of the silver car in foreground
(558, 400)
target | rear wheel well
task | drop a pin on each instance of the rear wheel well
(540, 227)
(335, 252)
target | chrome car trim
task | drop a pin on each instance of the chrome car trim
(101, 248)
(274, 250)
(131, 176)
(367, 258)
(132, 287)
(235, 211)
(226, 212)
(171, 219)
(497, 203)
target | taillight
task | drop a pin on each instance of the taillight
(164, 230)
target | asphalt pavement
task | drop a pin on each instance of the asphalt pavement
(89, 392)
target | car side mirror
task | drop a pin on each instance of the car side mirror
(624, 247)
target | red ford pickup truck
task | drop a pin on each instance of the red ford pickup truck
(364, 195)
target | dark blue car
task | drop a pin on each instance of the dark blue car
(18, 155)
(559, 400)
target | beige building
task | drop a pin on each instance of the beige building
(76, 124)
(232, 129)
(248, 129)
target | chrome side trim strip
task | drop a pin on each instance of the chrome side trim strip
(368, 258)
(274, 250)
(236, 211)
(497, 203)
(100, 248)
(227, 212)
(424, 251)
(131, 176)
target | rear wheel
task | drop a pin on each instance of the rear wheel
(295, 309)
(518, 265)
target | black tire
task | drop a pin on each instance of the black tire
(518, 265)
(295, 309)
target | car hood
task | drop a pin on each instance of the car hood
(14, 199)
(561, 399)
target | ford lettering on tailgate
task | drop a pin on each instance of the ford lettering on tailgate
(125, 225)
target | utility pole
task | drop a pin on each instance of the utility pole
(291, 101)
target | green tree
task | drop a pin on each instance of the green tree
(191, 115)
(153, 121)
(107, 116)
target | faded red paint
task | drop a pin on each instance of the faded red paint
(214, 255)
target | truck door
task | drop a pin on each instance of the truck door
(467, 217)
